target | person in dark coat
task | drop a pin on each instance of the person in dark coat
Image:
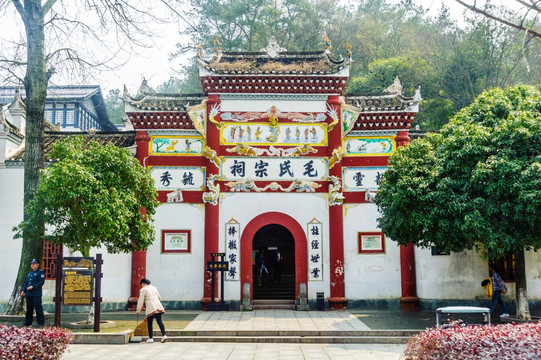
(32, 290)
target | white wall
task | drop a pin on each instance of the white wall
(302, 207)
(368, 276)
(11, 214)
(178, 276)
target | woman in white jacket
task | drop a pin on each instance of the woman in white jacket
(150, 297)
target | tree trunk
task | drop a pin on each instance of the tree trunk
(523, 308)
(35, 83)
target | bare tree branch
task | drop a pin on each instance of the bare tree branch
(485, 13)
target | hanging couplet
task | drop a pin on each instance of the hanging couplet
(232, 244)
(315, 251)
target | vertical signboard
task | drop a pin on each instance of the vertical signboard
(232, 244)
(315, 251)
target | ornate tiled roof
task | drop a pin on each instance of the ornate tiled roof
(273, 70)
(388, 110)
(261, 63)
(153, 101)
(384, 121)
(120, 139)
(161, 120)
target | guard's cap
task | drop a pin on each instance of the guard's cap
(34, 261)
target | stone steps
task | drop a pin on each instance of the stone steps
(274, 304)
(290, 339)
(291, 336)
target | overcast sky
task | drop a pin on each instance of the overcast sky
(153, 63)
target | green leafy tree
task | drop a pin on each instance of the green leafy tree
(91, 197)
(65, 38)
(115, 106)
(475, 185)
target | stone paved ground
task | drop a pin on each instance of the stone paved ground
(277, 320)
(219, 351)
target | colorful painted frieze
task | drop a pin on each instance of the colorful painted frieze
(176, 145)
(273, 133)
(369, 146)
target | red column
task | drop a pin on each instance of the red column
(138, 258)
(212, 212)
(409, 297)
(338, 299)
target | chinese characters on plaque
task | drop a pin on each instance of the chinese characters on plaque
(275, 169)
(315, 251)
(186, 178)
(362, 178)
(232, 246)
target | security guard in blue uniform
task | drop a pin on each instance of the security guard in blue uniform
(32, 290)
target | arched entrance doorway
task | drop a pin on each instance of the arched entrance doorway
(273, 271)
(278, 221)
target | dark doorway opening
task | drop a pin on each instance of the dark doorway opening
(273, 279)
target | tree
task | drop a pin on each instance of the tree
(527, 14)
(92, 196)
(115, 106)
(475, 185)
(72, 28)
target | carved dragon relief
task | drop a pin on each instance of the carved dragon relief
(296, 185)
(212, 196)
(335, 196)
(337, 155)
(212, 156)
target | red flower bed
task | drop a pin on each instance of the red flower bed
(27, 343)
(458, 341)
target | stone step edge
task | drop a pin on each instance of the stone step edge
(291, 339)
(282, 333)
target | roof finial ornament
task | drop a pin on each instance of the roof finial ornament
(327, 44)
(199, 51)
(144, 88)
(417, 97)
(395, 88)
(217, 45)
(273, 49)
(348, 50)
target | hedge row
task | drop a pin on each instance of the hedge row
(458, 341)
(26, 343)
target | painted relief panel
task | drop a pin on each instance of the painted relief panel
(362, 178)
(369, 146)
(176, 145)
(272, 168)
(315, 251)
(232, 244)
(185, 178)
(273, 133)
(349, 116)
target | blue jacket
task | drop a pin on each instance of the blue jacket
(36, 279)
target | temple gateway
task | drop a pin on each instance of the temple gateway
(274, 167)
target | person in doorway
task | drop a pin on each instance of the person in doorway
(497, 287)
(150, 297)
(260, 266)
(279, 262)
(32, 291)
